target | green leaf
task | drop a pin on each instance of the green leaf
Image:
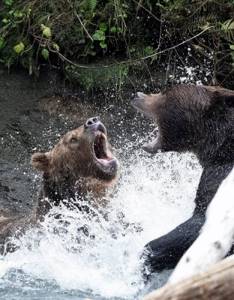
(46, 31)
(231, 47)
(99, 35)
(56, 46)
(45, 53)
(113, 29)
(103, 45)
(8, 2)
(148, 50)
(92, 4)
(5, 20)
(103, 26)
(19, 48)
(2, 43)
(18, 14)
(228, 25)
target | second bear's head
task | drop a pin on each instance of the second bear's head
(189, 118)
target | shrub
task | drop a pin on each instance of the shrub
(71, 33)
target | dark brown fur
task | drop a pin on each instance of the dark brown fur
(199, 119)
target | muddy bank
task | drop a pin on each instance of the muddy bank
(21, 125)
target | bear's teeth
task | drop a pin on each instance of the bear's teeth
(103, 161)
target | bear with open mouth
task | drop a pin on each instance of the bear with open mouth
(199, 119)
(80, 164)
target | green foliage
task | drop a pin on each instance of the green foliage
(72, 32)
(100, 35)
(45, 53)
(2, 43)
(228, 30)
(98, 77)
(19, 48)
(92, 4)
(46, 31)
(8, 2)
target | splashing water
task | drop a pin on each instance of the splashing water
(58, 261)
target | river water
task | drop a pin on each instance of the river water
(154, 192)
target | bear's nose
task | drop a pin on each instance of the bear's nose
(91, 121)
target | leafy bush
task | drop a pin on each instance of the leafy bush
(70, 33)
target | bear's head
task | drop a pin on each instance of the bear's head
(189, 118)
(81, 153)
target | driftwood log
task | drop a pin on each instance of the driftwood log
(215, 284)
(216, 237)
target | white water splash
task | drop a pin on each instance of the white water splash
(156, 193)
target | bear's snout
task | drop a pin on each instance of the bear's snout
(145, 104)
(91, 121)
(94, 124)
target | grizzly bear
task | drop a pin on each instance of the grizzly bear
(199, 119)
(80, 164)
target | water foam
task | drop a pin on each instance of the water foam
(155, 193)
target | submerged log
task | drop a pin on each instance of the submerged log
(217, 284)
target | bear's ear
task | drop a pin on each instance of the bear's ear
(40, 161)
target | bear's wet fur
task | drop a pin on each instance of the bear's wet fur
(81, 164)
(199, 119)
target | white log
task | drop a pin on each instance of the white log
(215, 284)
(217, 234)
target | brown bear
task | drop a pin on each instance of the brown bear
(199, 119)
(80, 163)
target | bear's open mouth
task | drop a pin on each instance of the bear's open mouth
(101, 150)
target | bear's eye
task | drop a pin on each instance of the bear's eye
(74, 140)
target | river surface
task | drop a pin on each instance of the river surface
(154, 192)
